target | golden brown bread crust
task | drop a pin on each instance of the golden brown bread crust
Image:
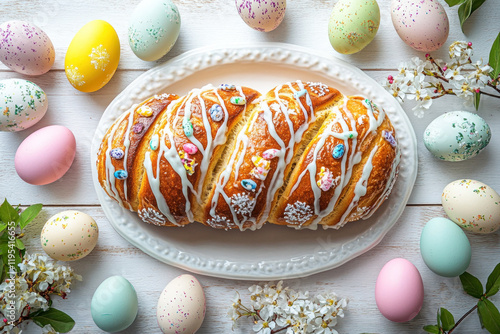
(353, 182)
(132, 127)
(170, 197)
(303, 156)
(278, 123)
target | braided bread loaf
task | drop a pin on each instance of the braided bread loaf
(302, 155)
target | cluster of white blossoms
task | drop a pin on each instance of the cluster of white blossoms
(278, 309)
(424, 81)
(38, 278)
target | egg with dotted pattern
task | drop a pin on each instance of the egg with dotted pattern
(422, 24)
(25, 48)
(262, 15)
(69, 235)
(353, 24)
(181, 306)
(472, 205)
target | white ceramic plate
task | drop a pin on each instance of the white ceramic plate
(273, 252)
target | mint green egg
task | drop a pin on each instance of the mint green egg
(353, 24)
(445, 247)
(114, 305)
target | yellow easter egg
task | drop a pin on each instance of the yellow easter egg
(92, 56)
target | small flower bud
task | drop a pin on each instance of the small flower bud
(4, 320)
(469, 44)
(478, 90)
(445, 68)
(435, 91)
(390, 77)
(427, 55)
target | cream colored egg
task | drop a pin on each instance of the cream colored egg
(69, 235)
(92, 56)
(472, 205)
(181, 307)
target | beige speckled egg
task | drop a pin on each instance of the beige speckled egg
(472, 205)
(69, 235)
(423, 25)
(181, 307)
(353, 25)
(262, 15)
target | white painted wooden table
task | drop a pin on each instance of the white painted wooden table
(207, 22)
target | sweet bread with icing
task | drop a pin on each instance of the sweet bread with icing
(302, 155)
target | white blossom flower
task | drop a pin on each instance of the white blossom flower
(264, 327)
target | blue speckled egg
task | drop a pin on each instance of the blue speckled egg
(457, 136)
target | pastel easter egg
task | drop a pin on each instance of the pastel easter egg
(270, 153)
(353, 24)
(399, 290)
(114, 305)
(216, 113)
(25, 48)
(227, 87)
(457, 136)
(69, 235)
(423, 25)
(190, 148)
(181, 306)
(154, 28)
(238, 100)
(154, 143)
(445, 248)
(187, 126)
(22, 104)
(117, 153)
(472, 205)
(45, 155)
(338, 151)
(92, 56)
(249, 184)
(120, 174)
(262, 15)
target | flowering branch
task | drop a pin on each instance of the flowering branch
(275, 309)
(424, 81)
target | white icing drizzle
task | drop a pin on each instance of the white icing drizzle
(284, 157)
(360, 188)
(374, 123)
(126, 143)
(110, 186)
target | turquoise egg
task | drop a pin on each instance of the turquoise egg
(445, 247)
(114, 305)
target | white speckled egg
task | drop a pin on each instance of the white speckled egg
(421, 24)
(92, 57)
(262, 15)
(353, 25)
(472, 205)
(181, 307)
(154, 28)
(69, 235)
(22, 104)
(457, 136)
(25, 48)
(114, 304)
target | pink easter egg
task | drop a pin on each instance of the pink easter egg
(45, 155)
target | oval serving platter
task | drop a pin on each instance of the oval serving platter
(273, 252)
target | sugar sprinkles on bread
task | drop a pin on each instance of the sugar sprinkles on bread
(302, 155)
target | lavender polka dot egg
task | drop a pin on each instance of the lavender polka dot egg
(262, 15)
(422, 24)
(181, 307)
(25, 48)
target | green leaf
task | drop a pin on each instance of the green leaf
(472, 286)
(477, 97)
(452, 3)
(488, 316)
(476, 4)
(59, 320)
(447, 319)
(29, 214)
(19, 244)
(8, 213)
(439, 318)
(494, 60)
(493, 284)
(3, 226)
(431, 329)
(464, 12)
